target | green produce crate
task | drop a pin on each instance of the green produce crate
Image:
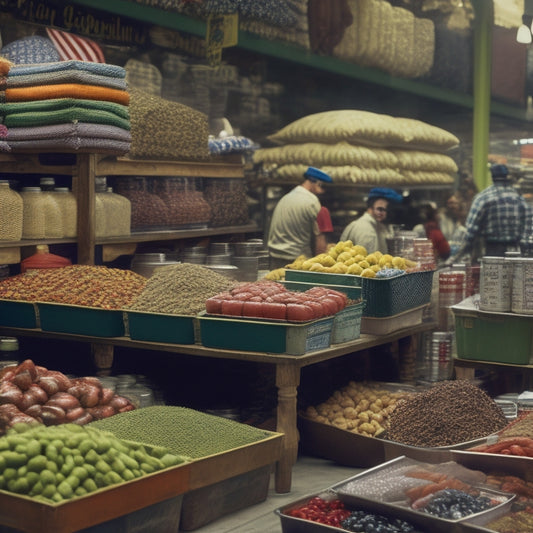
(382, 296)
(16, 314)
(347, 324)
(79, 320)
(496, 337)
(256, 335)
(391, 296)
(354, 293)
(158, 327)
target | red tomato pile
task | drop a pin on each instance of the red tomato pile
(268, 299)
(330, 512)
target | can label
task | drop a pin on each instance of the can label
(495, 284)
(522, 289)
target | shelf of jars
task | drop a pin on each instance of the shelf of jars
(166, 200)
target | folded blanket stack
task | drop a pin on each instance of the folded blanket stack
(67, 106)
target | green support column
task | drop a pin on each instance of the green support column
(483, 23)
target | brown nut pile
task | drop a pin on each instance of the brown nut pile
(86, 285)
(362, 408)
(449, 413)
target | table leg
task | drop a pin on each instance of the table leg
(103, 358)
(287, 381)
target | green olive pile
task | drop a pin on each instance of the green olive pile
(56, 463)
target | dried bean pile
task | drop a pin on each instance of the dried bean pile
(92, 286)
(449, 413)
(181, 289)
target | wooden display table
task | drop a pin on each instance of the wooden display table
(288, 369)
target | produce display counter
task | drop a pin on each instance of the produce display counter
(465, 369)
(288, 370)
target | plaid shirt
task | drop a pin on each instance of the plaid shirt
(499, 214)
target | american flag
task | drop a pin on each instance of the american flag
(70, 46)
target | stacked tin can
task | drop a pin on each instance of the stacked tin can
(451, 292)
(495, 284)
(522, 285)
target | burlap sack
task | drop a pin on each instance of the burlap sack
(162, 129)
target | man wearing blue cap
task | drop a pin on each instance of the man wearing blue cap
(499, 219)
(294, 228)
(370, 230)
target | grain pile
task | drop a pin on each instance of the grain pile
(181, 289)
(449, 413)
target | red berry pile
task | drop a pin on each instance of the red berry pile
(329, 512)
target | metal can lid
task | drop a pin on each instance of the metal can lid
(440, 335)
(9, 344)
(492, 259)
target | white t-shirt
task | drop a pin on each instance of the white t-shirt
(294, 225)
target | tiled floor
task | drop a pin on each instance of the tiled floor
(310, 475)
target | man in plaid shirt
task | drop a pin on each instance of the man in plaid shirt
(500, 219)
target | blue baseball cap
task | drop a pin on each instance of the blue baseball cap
(313, 173)
(388, 194)
(499, 171)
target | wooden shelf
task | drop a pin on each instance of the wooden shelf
(87, 167)
(299, 55)
(168, 235)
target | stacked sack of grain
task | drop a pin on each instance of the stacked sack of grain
(361, 147)
(387, 37)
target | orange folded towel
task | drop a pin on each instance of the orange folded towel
(67, 90)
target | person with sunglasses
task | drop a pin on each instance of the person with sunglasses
(294, 228)
(370, 230)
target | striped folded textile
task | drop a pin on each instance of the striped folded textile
(103, 69)
(71, 46)
(48, 112)
(54, 104)
(5, 65)
(96, 145)
(63, 76)
(66, 130)
(67, 90)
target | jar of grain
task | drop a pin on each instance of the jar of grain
(11, 213)
(68, 206)
(53, 217)
(118, 217)
(34, 216)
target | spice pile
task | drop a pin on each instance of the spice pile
(91, 286)
(450, 413)
(180, 289)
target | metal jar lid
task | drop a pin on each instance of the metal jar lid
(9, 344)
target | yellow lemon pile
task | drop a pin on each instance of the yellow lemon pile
(345, 257)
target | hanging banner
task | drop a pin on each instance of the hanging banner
(78, 19)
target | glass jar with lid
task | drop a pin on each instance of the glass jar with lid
(11, 213)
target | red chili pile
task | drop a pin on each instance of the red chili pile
(329, 512)
(268, 299)
(520, 446)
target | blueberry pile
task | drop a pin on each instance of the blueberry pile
(454, 504)
(361, 521)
